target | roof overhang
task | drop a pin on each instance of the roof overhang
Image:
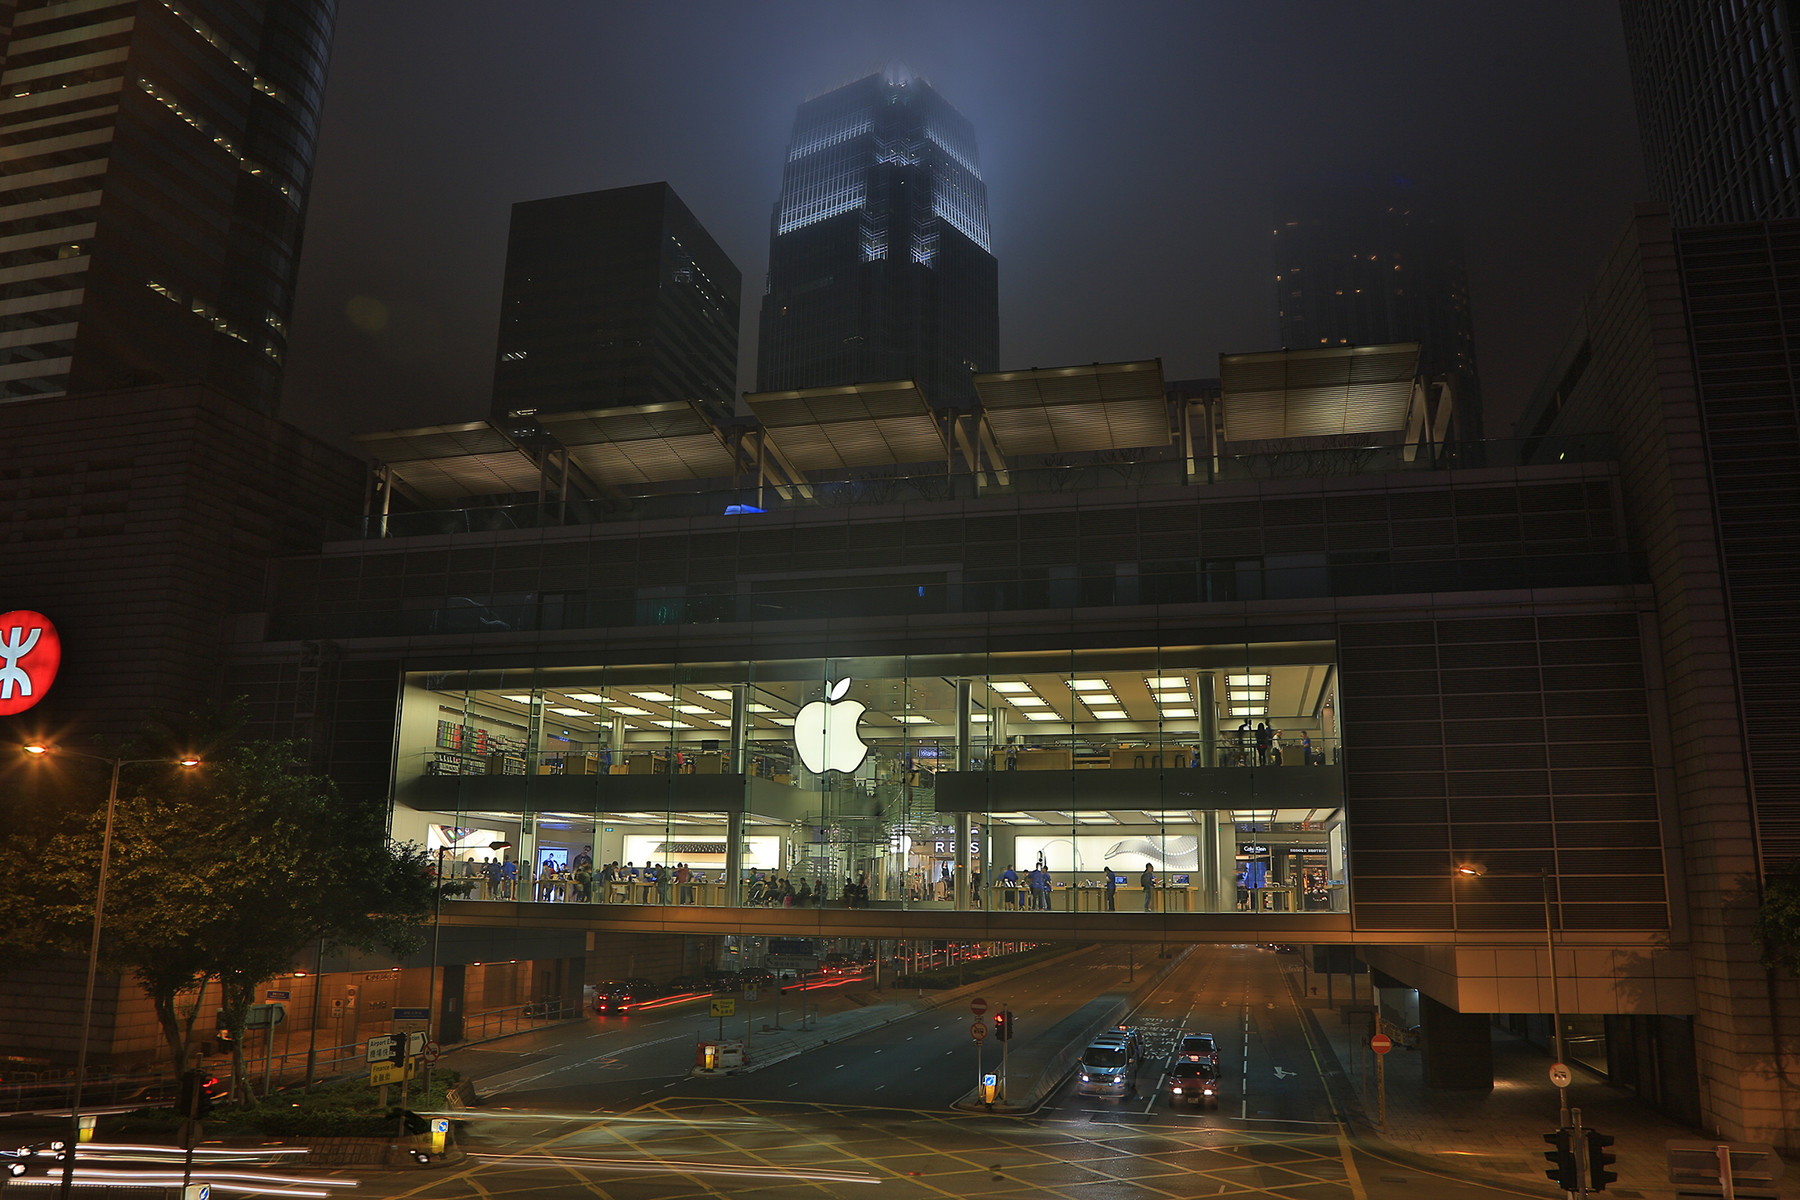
(1059, 410)
(644, 443)
(858, 425)
(443, 464)
(1317, 393)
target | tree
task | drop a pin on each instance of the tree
(1778, 920)
(227, 873)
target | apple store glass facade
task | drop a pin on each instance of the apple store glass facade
(1209, 773)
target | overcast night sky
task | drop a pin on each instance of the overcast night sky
(1130, 153)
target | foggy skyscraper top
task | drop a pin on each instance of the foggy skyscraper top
(879, 258)
(1361, 261)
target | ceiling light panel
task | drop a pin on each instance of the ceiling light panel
(586, 697)
(1177, 712)
(571, 712)
(1157, 682)
(912, 720)
(1042, 716)
(1250, 711)
(519, 699)
(1088, 685)
(1029, 702)
(654, 697)
(715, 693)
(1109, 714)
(627, 711)
(1009, 688)
(693, 708)
(1260, 681)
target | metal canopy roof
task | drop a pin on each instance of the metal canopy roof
(861, 425)
(444, 463)
(646, 443)
(1054, 410)
(1311, 393)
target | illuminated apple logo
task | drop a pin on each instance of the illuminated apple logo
(825, 733)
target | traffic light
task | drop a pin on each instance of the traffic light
(1564, 1167)
(1003, 1029)
(193, 1098)
(1598, 1160)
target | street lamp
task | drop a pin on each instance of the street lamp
(38, 749)
(1475, 870)
(437, 905)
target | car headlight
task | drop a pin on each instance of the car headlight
(1178, 1091)
(1085, 1079)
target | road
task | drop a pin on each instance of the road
(871, 1116)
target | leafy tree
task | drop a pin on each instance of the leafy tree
(1777, 924)
(227, 873)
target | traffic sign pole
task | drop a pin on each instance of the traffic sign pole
(1381, 1043)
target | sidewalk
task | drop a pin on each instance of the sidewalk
(1492, 1135)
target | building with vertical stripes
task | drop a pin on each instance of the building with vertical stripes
(155, 157)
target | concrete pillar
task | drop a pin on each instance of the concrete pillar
(450, 1005)
(740, 728)
(1457, 1048)
(963, 701)
(734, 855)
(1206, 707)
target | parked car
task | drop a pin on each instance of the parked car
(688, 983)
(1192, 1081)
(756, 977)
(725, 982)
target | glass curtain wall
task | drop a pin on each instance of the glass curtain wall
(1162, 779)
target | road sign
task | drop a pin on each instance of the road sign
(978, 1006)
(273, 995)
(432, 1051)
(383, 1049)
(978, 1031)
(723, 1007)
(751, 995)
(1381, 1043)
(415, 1045)
(1559, 1075)
(408, 1014)
(382, 1074)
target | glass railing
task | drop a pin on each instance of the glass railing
(915, 762)
(877, 487)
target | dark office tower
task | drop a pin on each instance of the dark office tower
(1715, 87)
(1362, 261)
(879, 266)
(155, 157)
(615, 298)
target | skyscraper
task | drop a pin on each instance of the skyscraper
(155, 157)
(879, 260)
(615, 298)
(1715, 87)
(1363, 261)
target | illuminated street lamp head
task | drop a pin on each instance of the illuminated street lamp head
(35, 748)
(189, 761)
(1470, 869)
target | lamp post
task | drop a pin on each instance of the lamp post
(437, 906)
(1476, 871)
(93, 964)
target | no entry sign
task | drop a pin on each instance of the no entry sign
(1381, 1043)
(978, 1006)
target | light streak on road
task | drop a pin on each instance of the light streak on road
(676, 1167)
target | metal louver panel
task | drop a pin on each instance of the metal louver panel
(1315, 393)
(1059, 410)
(859, 425)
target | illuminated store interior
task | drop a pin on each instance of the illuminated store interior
(925, 778)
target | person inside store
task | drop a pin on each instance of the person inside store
(1112, 887)
(1009, 883)
(1262, 743)
(1148, 881)
(803, 897)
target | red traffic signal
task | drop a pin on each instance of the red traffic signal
(1003, 1025)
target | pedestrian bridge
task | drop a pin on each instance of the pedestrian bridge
(928, 921)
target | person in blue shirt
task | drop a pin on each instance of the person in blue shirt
(1009, 879)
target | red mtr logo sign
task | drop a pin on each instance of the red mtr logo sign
(30, 653)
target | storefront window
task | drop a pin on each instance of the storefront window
(1196, 779)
